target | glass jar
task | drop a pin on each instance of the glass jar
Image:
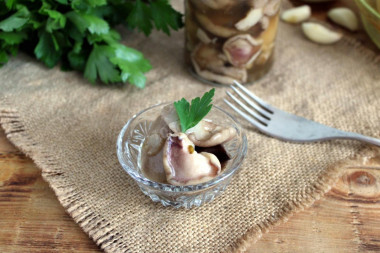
(228, 40)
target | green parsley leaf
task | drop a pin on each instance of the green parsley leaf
(95, 3)
(10, 3)
(56, 20)
(111, 37)
(81, 35)
(99, 64)
(140, 17)
(191, 115)
(12, 38)
(46, 49)
(95, 24)
(15, 21)
(3, 57)
(77, 60)
(64, 2)
(85, 21)
(164, 15)
(132, 64)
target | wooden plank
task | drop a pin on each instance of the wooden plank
(32, 220)
(345, 220)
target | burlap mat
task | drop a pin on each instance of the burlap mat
(69, 128)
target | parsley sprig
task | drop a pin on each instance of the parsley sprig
(191, 115)
(79, 34)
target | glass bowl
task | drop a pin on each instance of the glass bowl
(129, 145)
(370, 18)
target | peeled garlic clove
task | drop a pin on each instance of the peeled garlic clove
(296, 15)
(320, 34)
(344, 17)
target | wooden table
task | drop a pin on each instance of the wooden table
(346, 219)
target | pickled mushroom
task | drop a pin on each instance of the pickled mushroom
(208, 134)
(151, 155)
(242, 50)
(170, 116)
(264, 23)
(258, 3)
(218, 30)
(213, 4)
(211, 65)
(202, 36)
(155, 140)
(251, 19)
(265, 54)
(184, 166)
(272, 7)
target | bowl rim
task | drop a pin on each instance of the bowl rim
(369, 8)
(240, 155)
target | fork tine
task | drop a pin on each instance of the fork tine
(263, 112)
(258, 100)
(252, 112)
(257, 123)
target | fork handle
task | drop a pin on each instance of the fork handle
(358, 137)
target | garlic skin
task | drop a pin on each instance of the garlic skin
(296, 15)
(344, 17)
(320, 34)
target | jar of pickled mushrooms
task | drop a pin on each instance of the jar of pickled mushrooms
(229, 40)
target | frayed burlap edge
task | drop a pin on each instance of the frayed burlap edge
(98, 229)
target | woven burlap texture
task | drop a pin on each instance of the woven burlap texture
(69, 128)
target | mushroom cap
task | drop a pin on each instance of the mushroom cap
(152, 167)
(184, 166)
(213, 28)
(209, 63)
(208, 134)
(170, 116)
(272, 7)
(213, 4)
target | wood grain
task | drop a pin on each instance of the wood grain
(32, 220)
(346, 219)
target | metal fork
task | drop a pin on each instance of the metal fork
(283, 125)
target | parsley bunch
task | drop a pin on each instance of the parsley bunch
(79, 34)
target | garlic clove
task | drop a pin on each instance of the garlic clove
(297, 14)
(320, 34)
(344, 17)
